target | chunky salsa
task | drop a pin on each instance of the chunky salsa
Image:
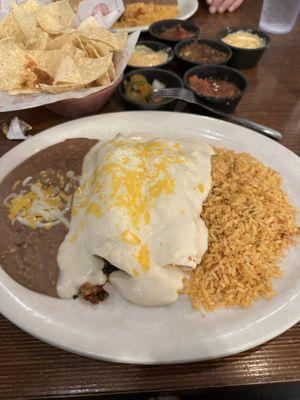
(202, 53)
(176, 32)
(212, 87)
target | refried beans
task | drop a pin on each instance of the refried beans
(29, 255)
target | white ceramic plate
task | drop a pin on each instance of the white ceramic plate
(187, 8)
(119, 331)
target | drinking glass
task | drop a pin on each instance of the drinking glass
(279, 16)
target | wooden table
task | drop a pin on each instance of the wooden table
(32, 369)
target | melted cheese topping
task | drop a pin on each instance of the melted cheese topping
(38, 206)
(144, 56)
(244, 39)
(138, 207)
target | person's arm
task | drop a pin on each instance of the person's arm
(221, 6)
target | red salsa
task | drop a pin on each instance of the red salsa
(212, 87)
(202, 53)
(176, 32)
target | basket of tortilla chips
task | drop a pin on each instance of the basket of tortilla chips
(49, 53)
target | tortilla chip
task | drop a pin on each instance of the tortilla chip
(56, 17)
(46, 60)
(67, 71)
(112, 72)
(104, 80)
(59, 41)
(14, 92)
(39, 42)
(91, 68)
(81, 45)
(102, 49)
(91, 51)
(55, 89)
(122, 39)
(13, 64)
(80, 70)
(68, 49)
(26, 21)
(29, 5)
(79, 53)
(9, 28)
(90, 29)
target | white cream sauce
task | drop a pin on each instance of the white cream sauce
(138, 207)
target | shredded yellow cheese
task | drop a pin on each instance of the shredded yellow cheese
(94, 209)
(130, 237)
(143, 258)
(201, 187)
(133, 182)
(38, 207)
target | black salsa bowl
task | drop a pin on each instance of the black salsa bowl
(219, 72)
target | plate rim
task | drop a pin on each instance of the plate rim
(73, 121)
(236, 350)
(231, 351)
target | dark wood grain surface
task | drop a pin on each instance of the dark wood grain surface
(32, 369)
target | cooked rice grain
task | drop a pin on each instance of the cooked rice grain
(141, 14)
(250, 223)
